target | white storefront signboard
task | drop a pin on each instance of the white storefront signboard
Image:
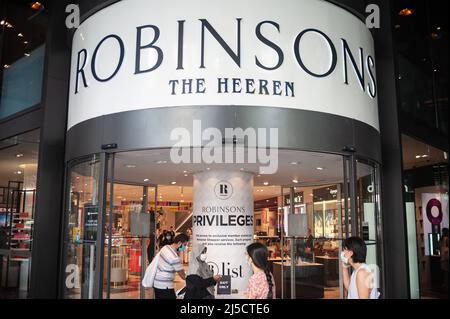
(299, 54)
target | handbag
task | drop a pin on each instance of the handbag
(150, 272)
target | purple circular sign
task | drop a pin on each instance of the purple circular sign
(434, 203)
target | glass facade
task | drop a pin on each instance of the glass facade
(421, 35)
(18, 176)
(426, 181)
(145, 194)
(22, 50)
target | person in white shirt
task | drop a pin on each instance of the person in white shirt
(359, 284)
(169, 264)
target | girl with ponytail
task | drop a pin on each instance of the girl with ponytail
(261, 284)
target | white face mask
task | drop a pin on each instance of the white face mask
(343, 258)
(203, 257)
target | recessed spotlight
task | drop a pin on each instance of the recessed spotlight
(6, 66)
(173, 183)
(27, 54)
(424, 156)
(19, 172)
(146, 180)
(161, 162)
(438, 28)
(37, 6)
(19, 155)
(186, 175)
(20, 35)
(295, 163)
(418, 156)
(267, 200)
(406, 12)
(25, 42)
(266, 183)
(319, 168)
(295, 181)
(130, 166)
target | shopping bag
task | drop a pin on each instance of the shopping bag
(150, 272)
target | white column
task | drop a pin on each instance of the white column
(223, 222)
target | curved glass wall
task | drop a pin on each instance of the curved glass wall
(301, 214)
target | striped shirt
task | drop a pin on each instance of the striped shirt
(169, 264)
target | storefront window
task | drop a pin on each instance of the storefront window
(426, 202)
(18, 172)
(22, 31)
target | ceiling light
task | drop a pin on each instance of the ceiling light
(319, 168)
(295, 181)
(146, 180)
(9, 25)
(19, 155)
(266, 183)
(37, 6)
(6, 66)
(27, 54)
(184, 172)
(173, 183)
(424, 156)
(25, 42)
(20, 35)
(161, 162)
(295, 163)
(418, 156)
(186, 175)
(438, 28)
(19, 172)
(130, 166)
(207, 168)
(406, 12)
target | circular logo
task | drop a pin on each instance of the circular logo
(223, 190)
(434, 220)
(213, 267)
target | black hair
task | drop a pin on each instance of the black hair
(358, 247)
(181, 238)
(259, 254)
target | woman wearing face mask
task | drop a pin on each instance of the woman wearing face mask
(358, 283)
(261, 284)
(201, 280)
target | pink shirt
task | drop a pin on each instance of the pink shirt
(258, 287)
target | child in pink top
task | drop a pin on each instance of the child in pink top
(261, 284)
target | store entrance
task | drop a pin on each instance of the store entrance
(302, 214)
